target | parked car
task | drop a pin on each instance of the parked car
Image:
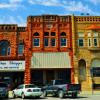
(3, 90)
(61, 88)
(27, 90)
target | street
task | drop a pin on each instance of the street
(80, 97)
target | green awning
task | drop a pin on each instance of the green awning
(51, 60)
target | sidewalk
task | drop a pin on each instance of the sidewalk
(90, 92)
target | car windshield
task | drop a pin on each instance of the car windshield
(3, 85)
(58, 82)
(30, 86)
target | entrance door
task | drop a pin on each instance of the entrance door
(49, 76)
(82, 70)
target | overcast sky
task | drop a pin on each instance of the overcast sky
(16, 11)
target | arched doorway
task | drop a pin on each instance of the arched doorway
(82, 70)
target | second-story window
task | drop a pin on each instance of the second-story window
(36, 42)
(89, 42)
(8, 51)
(95, 42)
(36, 39)
(20, 49)
(46, 41)
(63, 40)
(53, 41)
(80, 42)
(49, 39)
(4, 48)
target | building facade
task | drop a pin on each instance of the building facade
(51, 47)
(86, 51)
(43, 49)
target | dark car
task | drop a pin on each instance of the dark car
(3, 90)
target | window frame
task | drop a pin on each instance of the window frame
(20, 52)
(79, 42)
(63, 42)
(96, 42)
(36, 42)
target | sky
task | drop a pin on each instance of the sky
(16, 11)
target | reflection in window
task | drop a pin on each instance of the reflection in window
(9, 49)
(46, 33)
(80, 42)
(63, 34)
(95, 41)
(20, 49)
(36, 42)
(4, 45)
(53, 41)
(63, 41)
(46, 41)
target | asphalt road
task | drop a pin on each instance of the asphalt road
(80, 97)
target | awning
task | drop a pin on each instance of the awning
(93, 27)
(51, 60)
(95, 63)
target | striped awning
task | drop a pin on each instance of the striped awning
(51, 60)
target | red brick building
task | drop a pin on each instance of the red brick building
(40, 52)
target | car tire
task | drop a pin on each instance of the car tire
(23, 96)
(60, 94)
(44, 94)
(13, 95)
(74, 95)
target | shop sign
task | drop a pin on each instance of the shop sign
(12, 65)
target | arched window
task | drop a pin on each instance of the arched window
(63, 40)
(36, 39)
(46, 33)
(36, 34)
(4, 48)
(63, 34)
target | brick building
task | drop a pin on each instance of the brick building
(51, 47)
(43, 49)
(86, 51)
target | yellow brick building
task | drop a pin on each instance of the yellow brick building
(86, 51)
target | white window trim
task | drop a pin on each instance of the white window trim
(90, 42)
(78, 42)
(39, 42)
(66, 42)
(55, 42)
(97, 42)
(48, 42)
(81, 34)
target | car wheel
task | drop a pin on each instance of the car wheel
(13, 95)
(60, 94)
(23, 96)
(74, 95)
(44, 94)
